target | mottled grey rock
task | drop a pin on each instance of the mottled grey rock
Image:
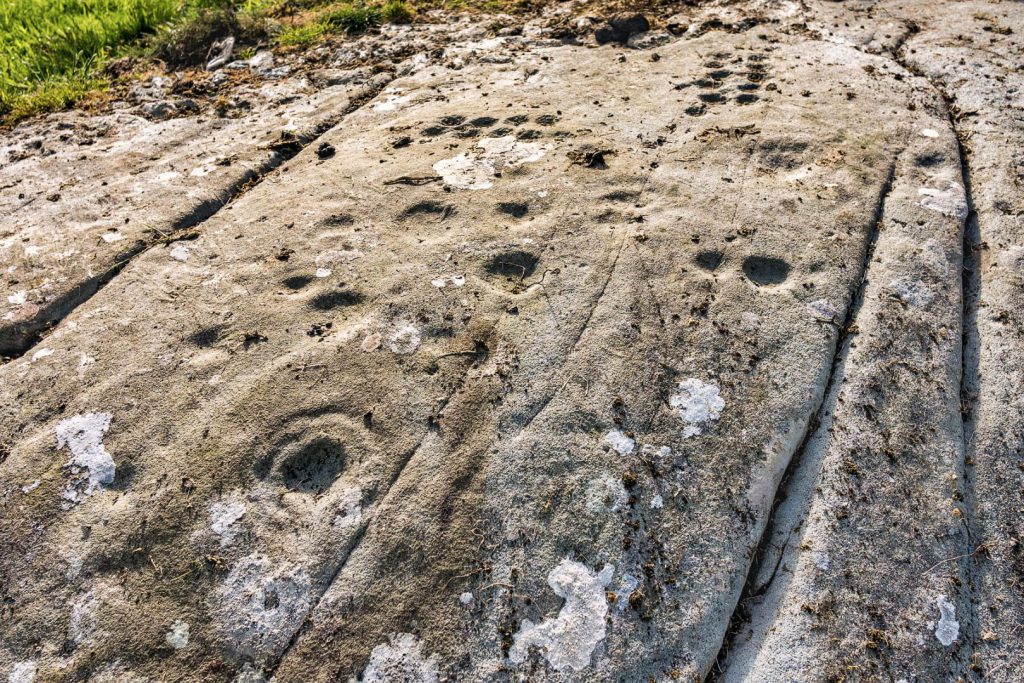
(566, 365)
(648, 40)
(158, 111)
(620, 27)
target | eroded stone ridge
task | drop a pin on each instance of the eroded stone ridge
(685, 358)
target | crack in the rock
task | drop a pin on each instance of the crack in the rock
(970, 291)
(572, 348)
(751, 588)
(970, 296)
(18, 339)
(381, 497)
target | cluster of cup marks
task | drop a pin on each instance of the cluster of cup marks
(460, 127)
(714, 81)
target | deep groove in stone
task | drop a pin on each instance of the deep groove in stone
(357, 538)
(22, 338)
(970, 297)
(347, 553)
(835, 376)
(970, 291)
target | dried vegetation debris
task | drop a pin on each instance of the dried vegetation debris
(508, 362)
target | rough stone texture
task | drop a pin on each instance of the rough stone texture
(84, 194)
(570, 363)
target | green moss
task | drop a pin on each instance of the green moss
(301, 35)
(397, 12)
(352, 18)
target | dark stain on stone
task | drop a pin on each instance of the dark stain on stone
(765, 270)
(514, 209)
(335, 298)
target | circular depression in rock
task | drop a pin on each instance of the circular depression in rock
(765, 270)
(314, 466)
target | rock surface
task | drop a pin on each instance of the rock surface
(528, 359)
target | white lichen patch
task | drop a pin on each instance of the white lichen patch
(606, 493)
(466, 172)
(83, 618)
(260, 606)
(223, 515)
(823, 310)
(657, 502)
(177, 637)
(166, 176)
(326, 260)
(911, 291)
(618, 440)
(113, 236)
(370, 343)
(948, 628)
(951, 201)
(85, 613)
(22, 672)
(180, 252)
(401, 660)
(466, 599)
(454, 280)
(749, 321)
(477, 169)
(405, 340)
(41, 353)
(568, 640)
(250, 674)
(90, 463)
(935, 256)
(929, 133)
(19, 298)
(698, 403)
(650, 451)
(84, 362)
(821, 560)
(349, 508)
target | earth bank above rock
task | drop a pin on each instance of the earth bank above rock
(530, 359)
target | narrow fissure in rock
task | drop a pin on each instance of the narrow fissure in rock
(752, 588)
(970, 287)
(55, 312)
(969, 379)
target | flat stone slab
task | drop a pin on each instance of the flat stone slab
(84, 194)
(560, 363)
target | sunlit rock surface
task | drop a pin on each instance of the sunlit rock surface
(527, 359)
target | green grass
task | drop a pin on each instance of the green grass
(52, 51)
(349, 18)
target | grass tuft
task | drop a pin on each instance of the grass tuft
(188, 43)
(352, 18)
(52, 52)
(54, 41)
(301, 35)
(397, 12)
